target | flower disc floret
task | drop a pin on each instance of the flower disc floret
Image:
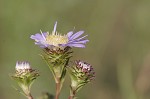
(85, 69)
(56, 39)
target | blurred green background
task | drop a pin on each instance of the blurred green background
(119, 47)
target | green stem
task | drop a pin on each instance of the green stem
(26, 90)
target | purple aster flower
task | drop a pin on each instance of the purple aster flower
(46, 40)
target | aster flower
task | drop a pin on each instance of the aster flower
(25, 77)
(81, 73)
(56, 40)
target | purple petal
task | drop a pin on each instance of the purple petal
(76, 45)
(55, 26)
(76, 35)
(63, 45)
(40, 44)
(38, 37)
(45, 34)
(69, 34)
(83, 41)
(82, 37)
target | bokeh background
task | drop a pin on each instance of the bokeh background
(119, 47)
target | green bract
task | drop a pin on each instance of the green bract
(57, 61)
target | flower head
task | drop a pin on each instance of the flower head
(23, 68)
(25, 76)
(81, 73)
(56, 40)
(84, 71)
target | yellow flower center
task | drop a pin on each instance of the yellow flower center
(56, 39)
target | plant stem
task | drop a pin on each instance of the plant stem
(29, 96)
(71, 97)
(58, 88)
(72, 94)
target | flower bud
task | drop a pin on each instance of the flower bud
(25, 76)
(81, 73)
